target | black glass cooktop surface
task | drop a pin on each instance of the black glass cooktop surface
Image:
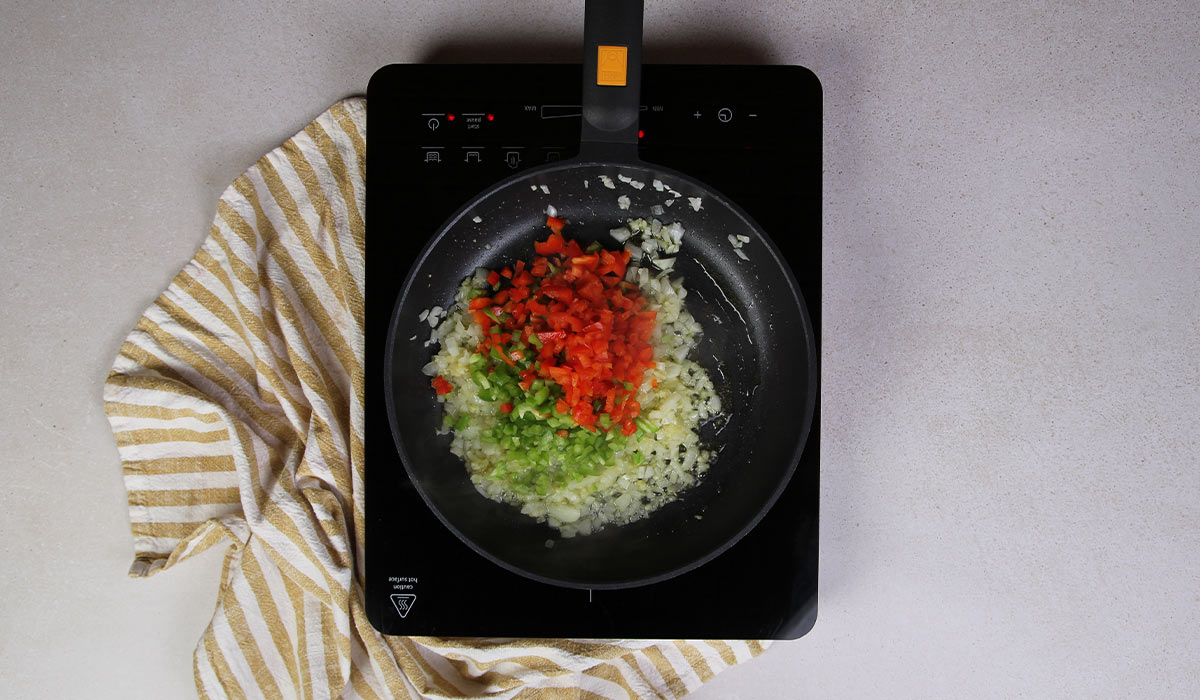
(438, 135)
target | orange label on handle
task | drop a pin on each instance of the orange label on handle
(611, 65)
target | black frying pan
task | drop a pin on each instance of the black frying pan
(757, 345)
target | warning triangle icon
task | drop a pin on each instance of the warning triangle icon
(403, 602)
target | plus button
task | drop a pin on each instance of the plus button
(697, 114)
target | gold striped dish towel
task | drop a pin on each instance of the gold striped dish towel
(236, 403)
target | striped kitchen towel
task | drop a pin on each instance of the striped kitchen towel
(236, 403)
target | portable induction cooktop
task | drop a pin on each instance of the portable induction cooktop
(438, 135)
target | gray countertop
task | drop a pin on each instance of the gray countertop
(1011, 354)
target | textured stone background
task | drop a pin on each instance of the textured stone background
(1010, 483)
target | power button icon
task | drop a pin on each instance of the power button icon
(434, 124)
(725, 114)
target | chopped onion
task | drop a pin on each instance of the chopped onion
(564, 513)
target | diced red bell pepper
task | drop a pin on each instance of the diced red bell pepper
(558, 292)
(591, 328)
(592, 290)
(586, 261)
(584, 415)
(553, 244)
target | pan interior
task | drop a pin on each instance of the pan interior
(757, 346)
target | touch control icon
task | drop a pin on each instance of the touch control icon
(725, 114)
(434, 124)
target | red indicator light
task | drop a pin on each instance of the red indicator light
(641, 134)
(449, 117)
(491, 117)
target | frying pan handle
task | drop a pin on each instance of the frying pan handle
(612, 79)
